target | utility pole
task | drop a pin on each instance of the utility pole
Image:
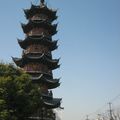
(110, 111)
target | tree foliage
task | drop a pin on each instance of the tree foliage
(19, 97)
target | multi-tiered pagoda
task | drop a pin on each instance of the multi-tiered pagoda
(37, 54)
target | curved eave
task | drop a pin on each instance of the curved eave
(43, 78)
(21, 43)
(29, 40)
(39, 72)
(54, 103)
(42, 57)
(18, 61)
(48, 55)
(43, 9)
(29, 26)
(51, 83)
(52, 64)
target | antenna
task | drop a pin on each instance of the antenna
(42, 1)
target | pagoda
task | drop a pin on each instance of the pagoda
(37, 56)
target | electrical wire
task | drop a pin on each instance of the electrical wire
(115, 98)
(105, 105)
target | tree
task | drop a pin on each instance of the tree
(19, 97)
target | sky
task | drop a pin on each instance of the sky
(89, 48)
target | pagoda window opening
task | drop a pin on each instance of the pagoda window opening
(36, 67)
(28, 68)
(36, 31)
(37, 48)
(40, 17)
(44, 88)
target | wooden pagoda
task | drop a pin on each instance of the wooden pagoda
(37, 55)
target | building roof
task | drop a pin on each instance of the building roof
(51, 83)
(48, 55)
(42, 9)
(51, 63)
(38, 73)
(39, 24)
(52, 45)
(49, 101)
(53, 103)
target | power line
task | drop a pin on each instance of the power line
(115, 98)
(105, 105)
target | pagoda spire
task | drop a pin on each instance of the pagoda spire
(42, 2)
(37, 59)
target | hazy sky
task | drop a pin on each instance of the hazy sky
(89, 47)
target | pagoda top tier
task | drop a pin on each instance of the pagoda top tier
(42, 1)
(40, 9)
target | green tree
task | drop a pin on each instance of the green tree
(19, 97)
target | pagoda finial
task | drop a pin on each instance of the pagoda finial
(42, 1)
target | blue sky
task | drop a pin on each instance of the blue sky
(89, 39)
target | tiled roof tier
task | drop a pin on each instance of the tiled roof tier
(42, 9)
(38, 73)
(52, 45)
(52, 64)
(51, 83)
(48, 55)
(51, 102)
(39, 24)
